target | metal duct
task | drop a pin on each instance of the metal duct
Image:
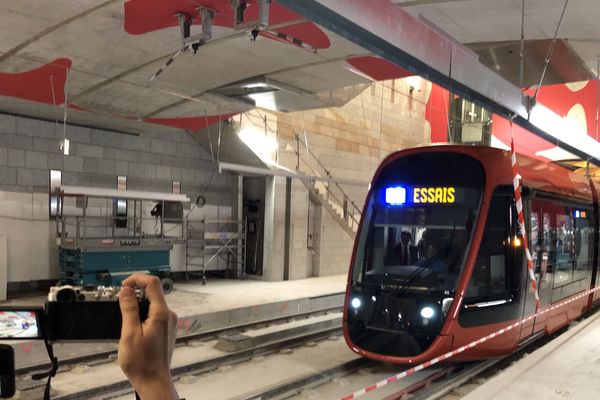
(385, 29)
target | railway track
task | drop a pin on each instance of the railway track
(26, 384)
(104, 355)
(429, 384)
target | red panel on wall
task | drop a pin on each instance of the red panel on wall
(143, 16)
(189, 123)
(560, 99)
(378, 68)
(526, 142)
(45, 84)
(436, 112)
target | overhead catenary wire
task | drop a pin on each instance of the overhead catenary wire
(522, 50)
(550, 51)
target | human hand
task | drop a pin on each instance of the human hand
(145, 349)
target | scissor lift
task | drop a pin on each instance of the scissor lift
(101, 243)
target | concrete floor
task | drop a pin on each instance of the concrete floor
(219, 295)
(219, 304)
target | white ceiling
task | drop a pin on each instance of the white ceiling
(111, 68)
(474, 21)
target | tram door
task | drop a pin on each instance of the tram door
(542, 245)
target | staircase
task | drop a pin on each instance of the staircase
(328, 193)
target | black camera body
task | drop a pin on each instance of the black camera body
(86, 313)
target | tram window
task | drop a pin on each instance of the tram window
(584, 243)
(494, 275)
(565, 247)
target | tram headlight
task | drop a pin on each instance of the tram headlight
(427, 312)
(356, 303)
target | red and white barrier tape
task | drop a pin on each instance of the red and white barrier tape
(519, 205)
(459, 350)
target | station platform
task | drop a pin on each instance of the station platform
(218, 305)
(568, 367)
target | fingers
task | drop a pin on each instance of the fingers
(153, 290)
(151, 285)
(130, 312)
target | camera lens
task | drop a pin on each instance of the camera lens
(65, 296)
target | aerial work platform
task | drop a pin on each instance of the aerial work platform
(222, 304)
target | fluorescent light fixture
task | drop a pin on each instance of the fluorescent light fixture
(255, 85)
(395, 196)
(565, 130)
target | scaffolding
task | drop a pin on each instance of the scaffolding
(210, 243)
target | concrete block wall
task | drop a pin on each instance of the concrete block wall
(29, 149)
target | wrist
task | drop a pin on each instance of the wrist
(156, 389)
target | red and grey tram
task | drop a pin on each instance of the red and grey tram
(439, 261)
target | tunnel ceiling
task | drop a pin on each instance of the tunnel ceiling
(100, 57)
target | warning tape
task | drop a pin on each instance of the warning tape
(519, 205)
(461, 349)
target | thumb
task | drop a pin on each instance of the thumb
(130, 312)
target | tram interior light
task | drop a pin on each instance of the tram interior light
(395, 196)
(517, 242)
(356, 303)
(579, 214)
(427, 312)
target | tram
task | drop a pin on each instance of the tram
(439, 261)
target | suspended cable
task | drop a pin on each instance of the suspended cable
(522, 52)
(550, 51)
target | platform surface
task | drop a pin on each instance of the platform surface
(568, 367)
(218, 304)
(219, 295)
(226, 294)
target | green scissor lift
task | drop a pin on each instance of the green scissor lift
(105, 235)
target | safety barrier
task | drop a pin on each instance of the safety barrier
(461, 349)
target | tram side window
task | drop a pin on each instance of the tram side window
(565, 247)
(494, 275)
(584, 243)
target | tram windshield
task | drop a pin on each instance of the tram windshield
(418, 222)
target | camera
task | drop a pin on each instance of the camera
(70, 313)
(86, 313)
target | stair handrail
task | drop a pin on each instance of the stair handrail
(351, 212)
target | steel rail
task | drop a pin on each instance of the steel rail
(322, 377)
(124, 386)
(204, 336)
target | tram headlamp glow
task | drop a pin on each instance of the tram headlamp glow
(427, 312)
(356, 303)
(395, 196)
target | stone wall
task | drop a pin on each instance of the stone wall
(350, 142)
(29, 149)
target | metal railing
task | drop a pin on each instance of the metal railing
(308, 161)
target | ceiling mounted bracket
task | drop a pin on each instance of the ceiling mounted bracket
(529, 102)
(239, 9)
(185, 21)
